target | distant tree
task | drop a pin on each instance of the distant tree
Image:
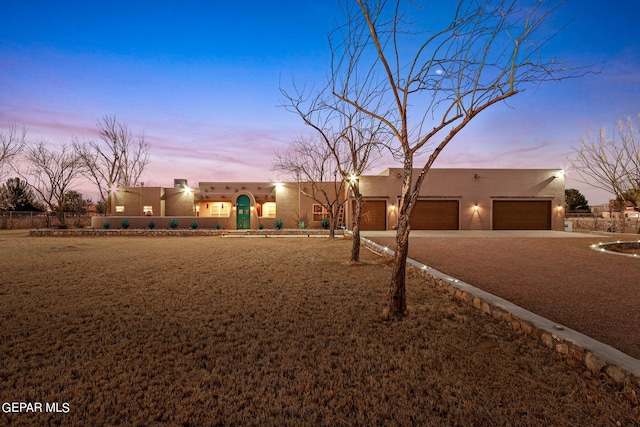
(17, 195)
(51, 173)
(575, 201)
(629, 199)
(12, 141)
(74, 202)
(612, 163)
(117, 158)
(101, 207)
(310, 161)
(426, 84)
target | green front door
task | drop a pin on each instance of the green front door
(243, 209)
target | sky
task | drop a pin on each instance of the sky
(202, 79)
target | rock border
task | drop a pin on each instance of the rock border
(601, 247)
(140, 232)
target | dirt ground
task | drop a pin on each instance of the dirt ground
(597, 294)
(263, 331)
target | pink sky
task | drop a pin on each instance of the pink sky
(204, 84)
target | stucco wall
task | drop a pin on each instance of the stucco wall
(293, 205)
(160, 222)
(164, 201)
(471, 187)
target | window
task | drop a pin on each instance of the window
(147, 210)
(269, 210)
(219, 209)
(320, 212)
(119, 209)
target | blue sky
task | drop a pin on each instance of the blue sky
(202, 79)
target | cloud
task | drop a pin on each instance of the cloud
(44, 123)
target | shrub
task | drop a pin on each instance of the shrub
(106, 224)
(151, 225)
(217, 226)
(173, 223)
(278, 224)
(125, 223)
(194, 225)
(302, 225)
(325, 223)
(260, 226)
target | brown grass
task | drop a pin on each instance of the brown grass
(211, 331)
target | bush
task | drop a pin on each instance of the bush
(278, 224)
(325, 223)
(151, 225)
(260, 226)
(217, 226)
(302, 225)
(106, 224)
(173, 223)
(194, 225)
(125, 223)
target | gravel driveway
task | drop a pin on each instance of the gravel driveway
(562, 279)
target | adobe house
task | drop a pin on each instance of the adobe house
(450, 199)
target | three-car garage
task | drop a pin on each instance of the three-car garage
(465, 199)
(444, 214)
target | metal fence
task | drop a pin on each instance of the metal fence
(14, 220)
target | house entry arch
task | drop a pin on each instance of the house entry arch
(243, 212)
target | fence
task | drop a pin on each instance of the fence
(619, 225)
(13, 220)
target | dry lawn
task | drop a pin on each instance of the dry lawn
(263, 331)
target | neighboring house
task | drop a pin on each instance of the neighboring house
(92, 209)
(450, 199)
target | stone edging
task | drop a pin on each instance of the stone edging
(600, 247)
(140, 232)
(596, 356)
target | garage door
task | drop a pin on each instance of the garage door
(435, 215)
(522, 215)
(373, 215)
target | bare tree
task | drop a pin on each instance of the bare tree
(117, 158)
(426, 85)
(310, 161)
(12, 142)
(354, 139)
(612, 162)
(51, 172)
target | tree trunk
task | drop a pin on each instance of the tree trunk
(107, 204)
(397, 289)
(332, 222)
(355, 228)
(60, 214)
